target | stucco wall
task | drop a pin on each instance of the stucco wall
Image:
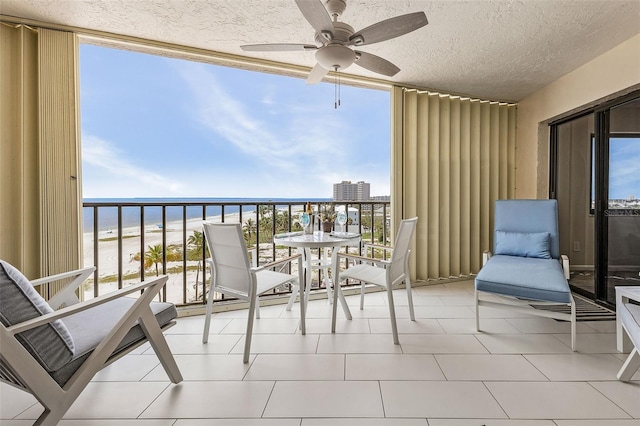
(613, 72)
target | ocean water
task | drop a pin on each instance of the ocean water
(108, 216)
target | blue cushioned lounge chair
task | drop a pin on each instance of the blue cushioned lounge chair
(526, 267)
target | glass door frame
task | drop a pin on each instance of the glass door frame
(601, 152)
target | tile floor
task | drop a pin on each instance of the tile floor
(519, 372)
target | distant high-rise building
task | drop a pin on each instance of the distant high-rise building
(347, 191)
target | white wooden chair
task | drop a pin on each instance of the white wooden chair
(54, 354)
(233, 275)
(385, 273)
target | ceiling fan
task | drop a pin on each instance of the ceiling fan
(334, 39)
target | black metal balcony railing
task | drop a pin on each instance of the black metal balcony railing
(129, 240)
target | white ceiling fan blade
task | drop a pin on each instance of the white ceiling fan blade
(389, 28)
(317, 15)
(277, 47)
(317, 74)
(376, 64)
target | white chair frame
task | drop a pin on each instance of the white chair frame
(21, 370)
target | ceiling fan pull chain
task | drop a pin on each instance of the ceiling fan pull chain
(336, 89)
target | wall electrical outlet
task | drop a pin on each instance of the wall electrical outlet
(576, 246)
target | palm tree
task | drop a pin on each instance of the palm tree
(153, 257)
(195, 244)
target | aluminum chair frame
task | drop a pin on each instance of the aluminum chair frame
(385, 274)
(233, 275)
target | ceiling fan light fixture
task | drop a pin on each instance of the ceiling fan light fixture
(335, 55)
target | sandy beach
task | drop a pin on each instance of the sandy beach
(153, 234)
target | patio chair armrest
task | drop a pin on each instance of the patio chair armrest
(486, 255)
(373, 246)
(363, 259)
(565, 266)
(88, 304)
(66, 296)
(276, 263)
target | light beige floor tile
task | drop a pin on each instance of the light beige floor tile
(377, 298)
(297, 367)
(423, 300)
(185, 344)
(323, 326)
(441, 344)
(406, 326)
(262, 326)
(14, 401)
(487, 312)
(522, 343)
(130, 368)
(468, 325)
(195, 325)
(625, 395)
(392, 367)
(204, 367)
(576, 366)
(118, 422)
(279, 343)
(357, 343)
(272, 311)
(555, 400)
(198, 400)
(546, 325)
(489, 422)
(443, 312)
(458, 300)
(438, 399)
(380, 312)
(488, 368)
(441, 290)
(237, 422)
(594, 343)
(605, 422)
(325, 399)
(112, 400)
(602, 326)
(364, 422)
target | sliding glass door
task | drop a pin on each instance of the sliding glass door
(595, 176)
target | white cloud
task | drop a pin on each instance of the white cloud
(307, 140)
(109, 173)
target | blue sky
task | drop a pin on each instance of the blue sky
(159, 127)
(624, 168)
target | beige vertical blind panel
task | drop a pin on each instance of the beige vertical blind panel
(454, 157)
(19, 167)
(59, 188)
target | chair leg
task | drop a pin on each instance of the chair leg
(207, 318)
(573, 325)
(258, 307)
(247, 341)
(292, 299)
(477, 310)
(410, 297)
(362, 296)
(630, 366)
(392, 314)
(149, 324)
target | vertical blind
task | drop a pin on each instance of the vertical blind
(19, 163)
(452, 157)
(58, 141)
(39, 215)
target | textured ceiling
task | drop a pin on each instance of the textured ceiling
(493, 49)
